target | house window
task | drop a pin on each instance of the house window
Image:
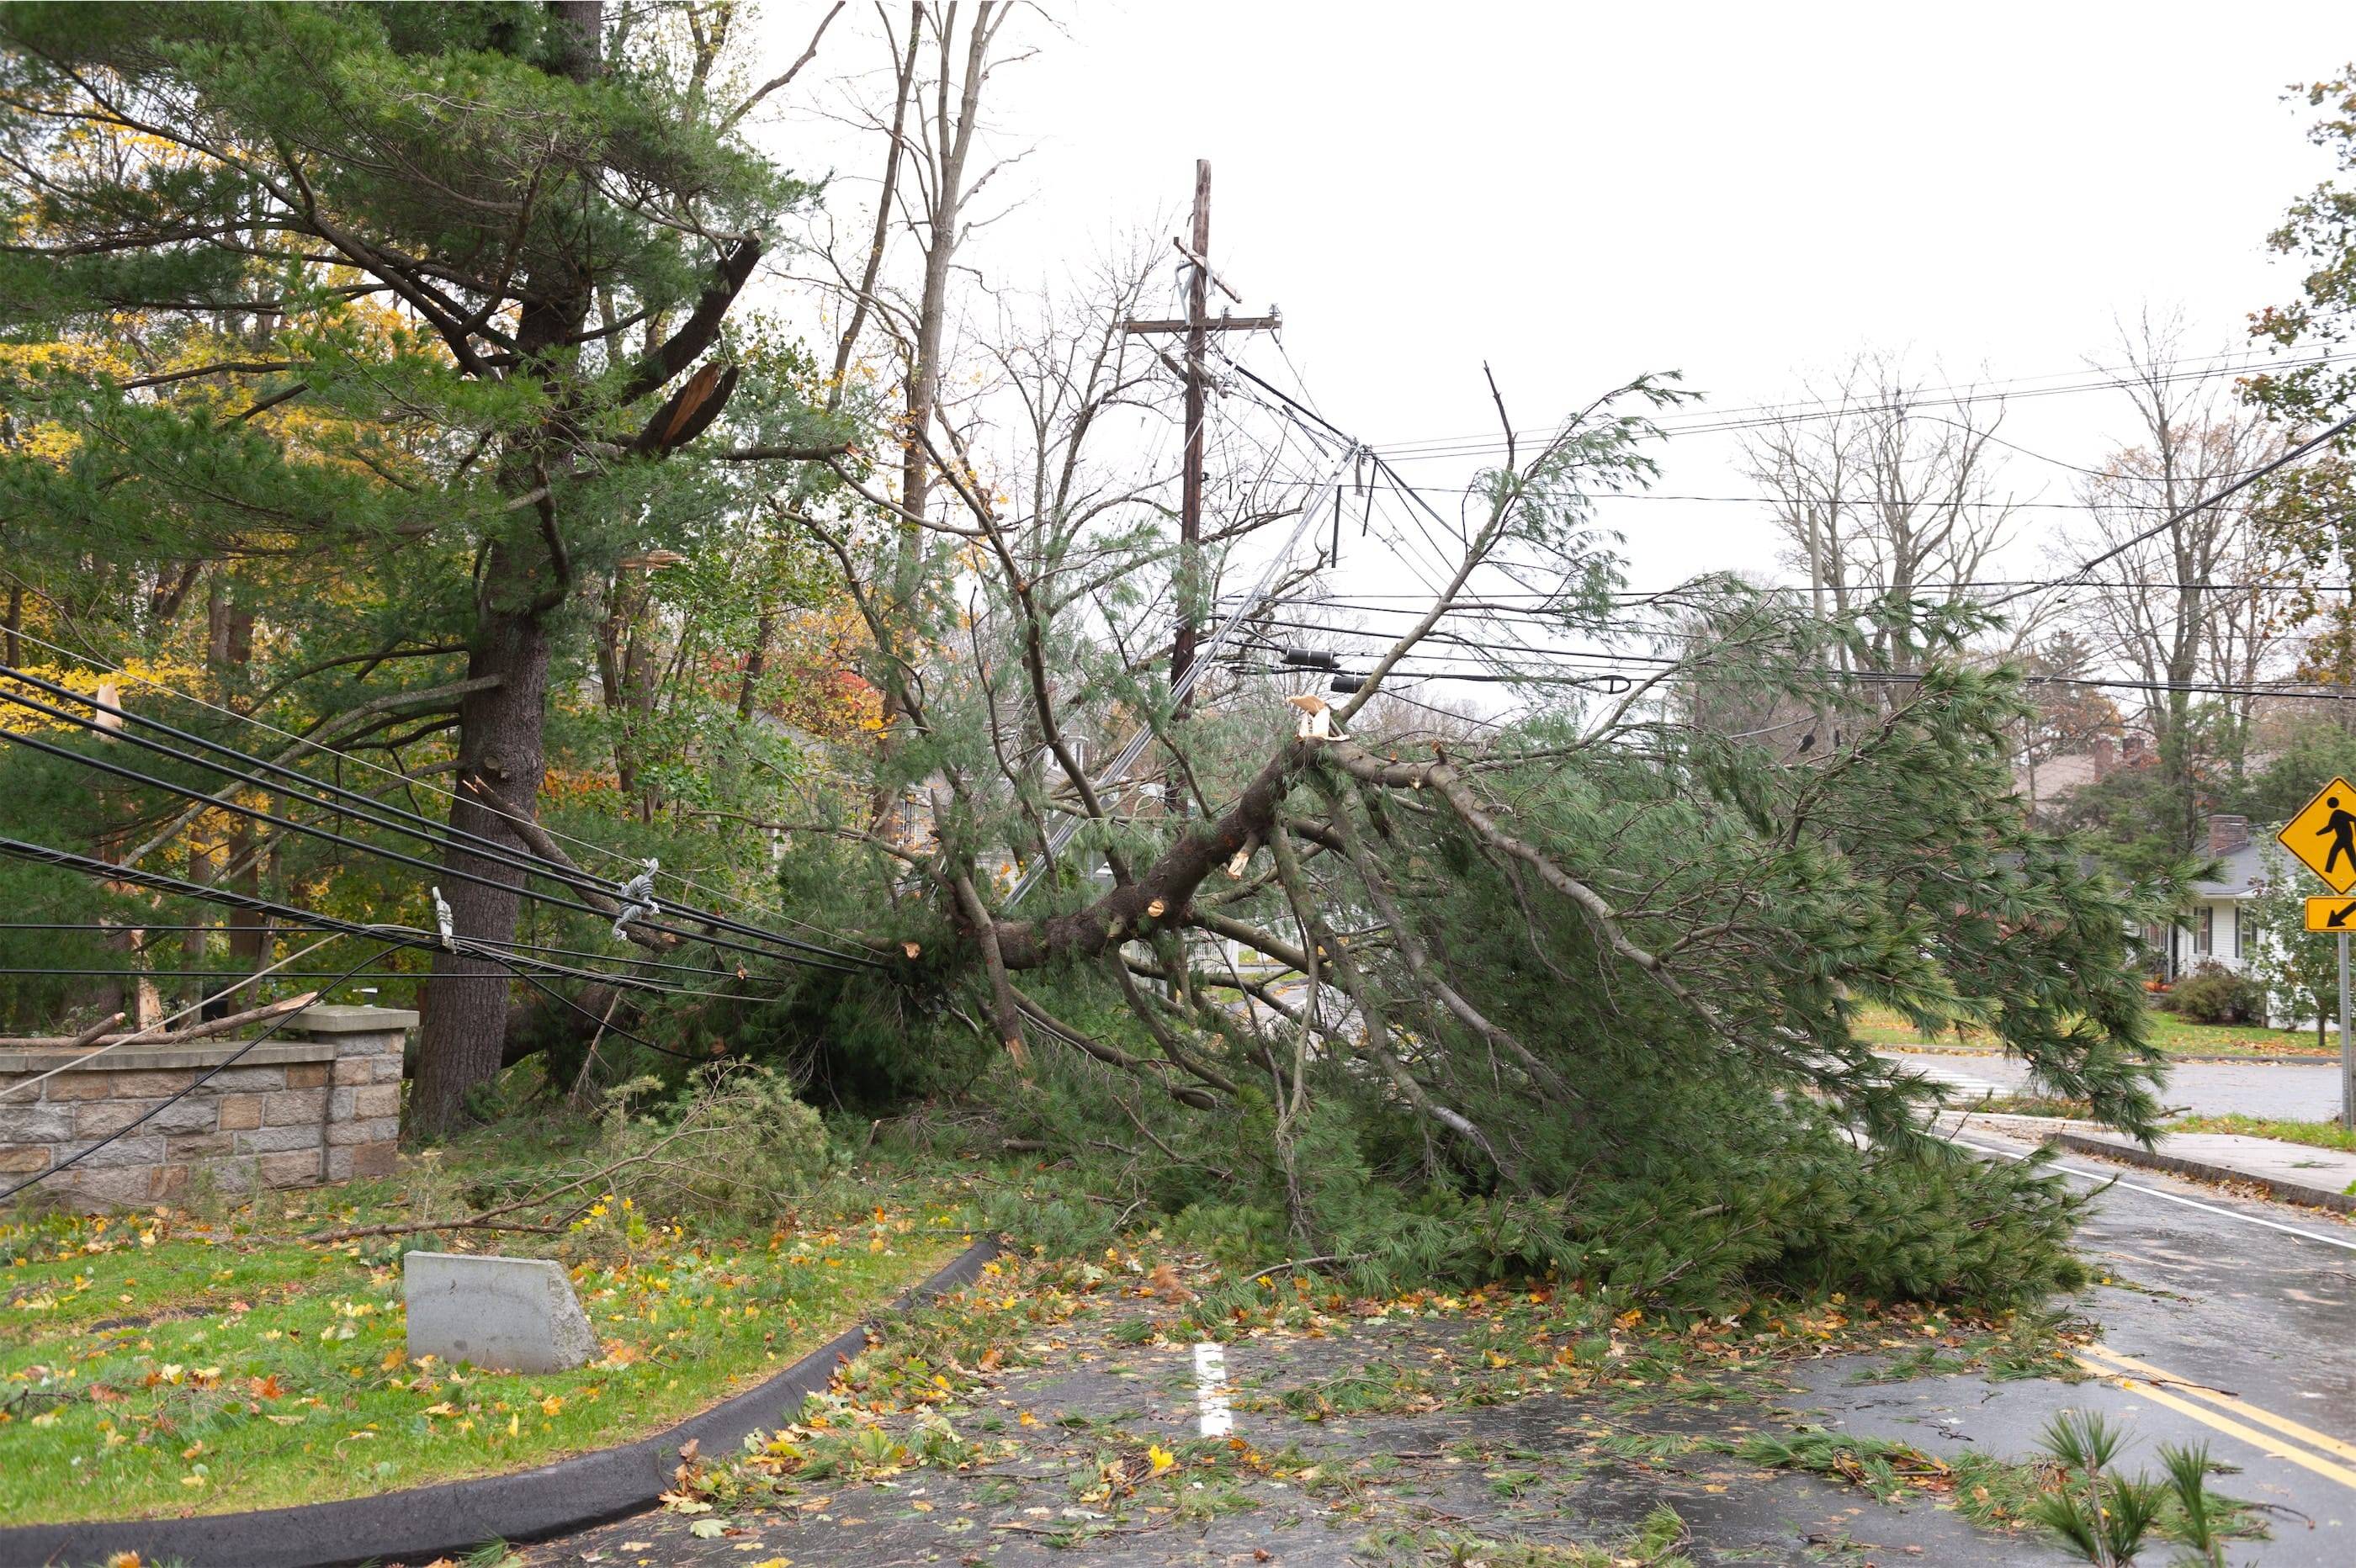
(2204, 939)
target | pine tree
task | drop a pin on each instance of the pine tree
(475, 262)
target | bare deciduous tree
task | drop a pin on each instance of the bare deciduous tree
(1888, 492)
(2184, 606)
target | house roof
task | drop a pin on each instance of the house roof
(2245, 870)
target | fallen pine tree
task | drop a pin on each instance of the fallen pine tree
(1570, 992)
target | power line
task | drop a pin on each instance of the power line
(1753, 416)
(1861, 504)
(2243, 483)
(288, 823)
(396, 773)
(134, 1035)
(108, 871)
(1063, 832)
(418, 975)
(1700, 671)
(369, 809)
(224, 1064)
(1702, 668)
(215, 928)
(280, 1022)
(1491, 600)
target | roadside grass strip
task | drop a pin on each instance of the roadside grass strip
(157, 1364)
(2315, 1135)
(2175, 1036)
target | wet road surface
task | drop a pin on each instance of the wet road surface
(2230, 1320)
(2281, 1091)
(2222, 1319)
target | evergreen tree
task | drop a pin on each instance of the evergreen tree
(479, 259)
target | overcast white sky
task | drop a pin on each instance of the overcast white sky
(1748, 193)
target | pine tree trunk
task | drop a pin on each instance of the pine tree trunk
(500, 744)
(501, 731)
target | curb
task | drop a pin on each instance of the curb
(2289, 1191)
(454, 1518)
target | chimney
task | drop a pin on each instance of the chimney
(2227, 834)
(2131, 748)
(2105, 752)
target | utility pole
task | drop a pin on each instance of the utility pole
(1198, 325)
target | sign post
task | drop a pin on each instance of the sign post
(2323, 836)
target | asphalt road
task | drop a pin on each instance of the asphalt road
(2233, 1323)
(2278, 1092)
(2222, 1320)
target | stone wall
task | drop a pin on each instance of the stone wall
(317, 1102)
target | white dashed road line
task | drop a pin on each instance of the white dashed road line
(1211, 1390)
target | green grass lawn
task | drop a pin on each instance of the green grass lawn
(1880, 1026)
(2317, 1135)
(159, 1363)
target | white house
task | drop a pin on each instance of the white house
(2218, 928)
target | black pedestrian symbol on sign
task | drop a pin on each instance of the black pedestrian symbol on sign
(2341, 825)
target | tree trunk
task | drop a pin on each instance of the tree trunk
(502, 754)
(500, 748)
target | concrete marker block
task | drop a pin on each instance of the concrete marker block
(509, 1315)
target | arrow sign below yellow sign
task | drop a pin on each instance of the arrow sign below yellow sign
(2331, 914)
(2323, 835)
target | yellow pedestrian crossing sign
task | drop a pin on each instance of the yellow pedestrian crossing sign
(2323, 835)
(2337, 912)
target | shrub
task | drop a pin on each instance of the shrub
(2214, 994)
(736, 1143)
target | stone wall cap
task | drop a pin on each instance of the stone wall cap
(149, 1058)
(337, 1019)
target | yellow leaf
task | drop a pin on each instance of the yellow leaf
(1161, 1457)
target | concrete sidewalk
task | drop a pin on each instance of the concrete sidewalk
(2295, 1173)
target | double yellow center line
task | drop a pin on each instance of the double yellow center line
(2180, 1394)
